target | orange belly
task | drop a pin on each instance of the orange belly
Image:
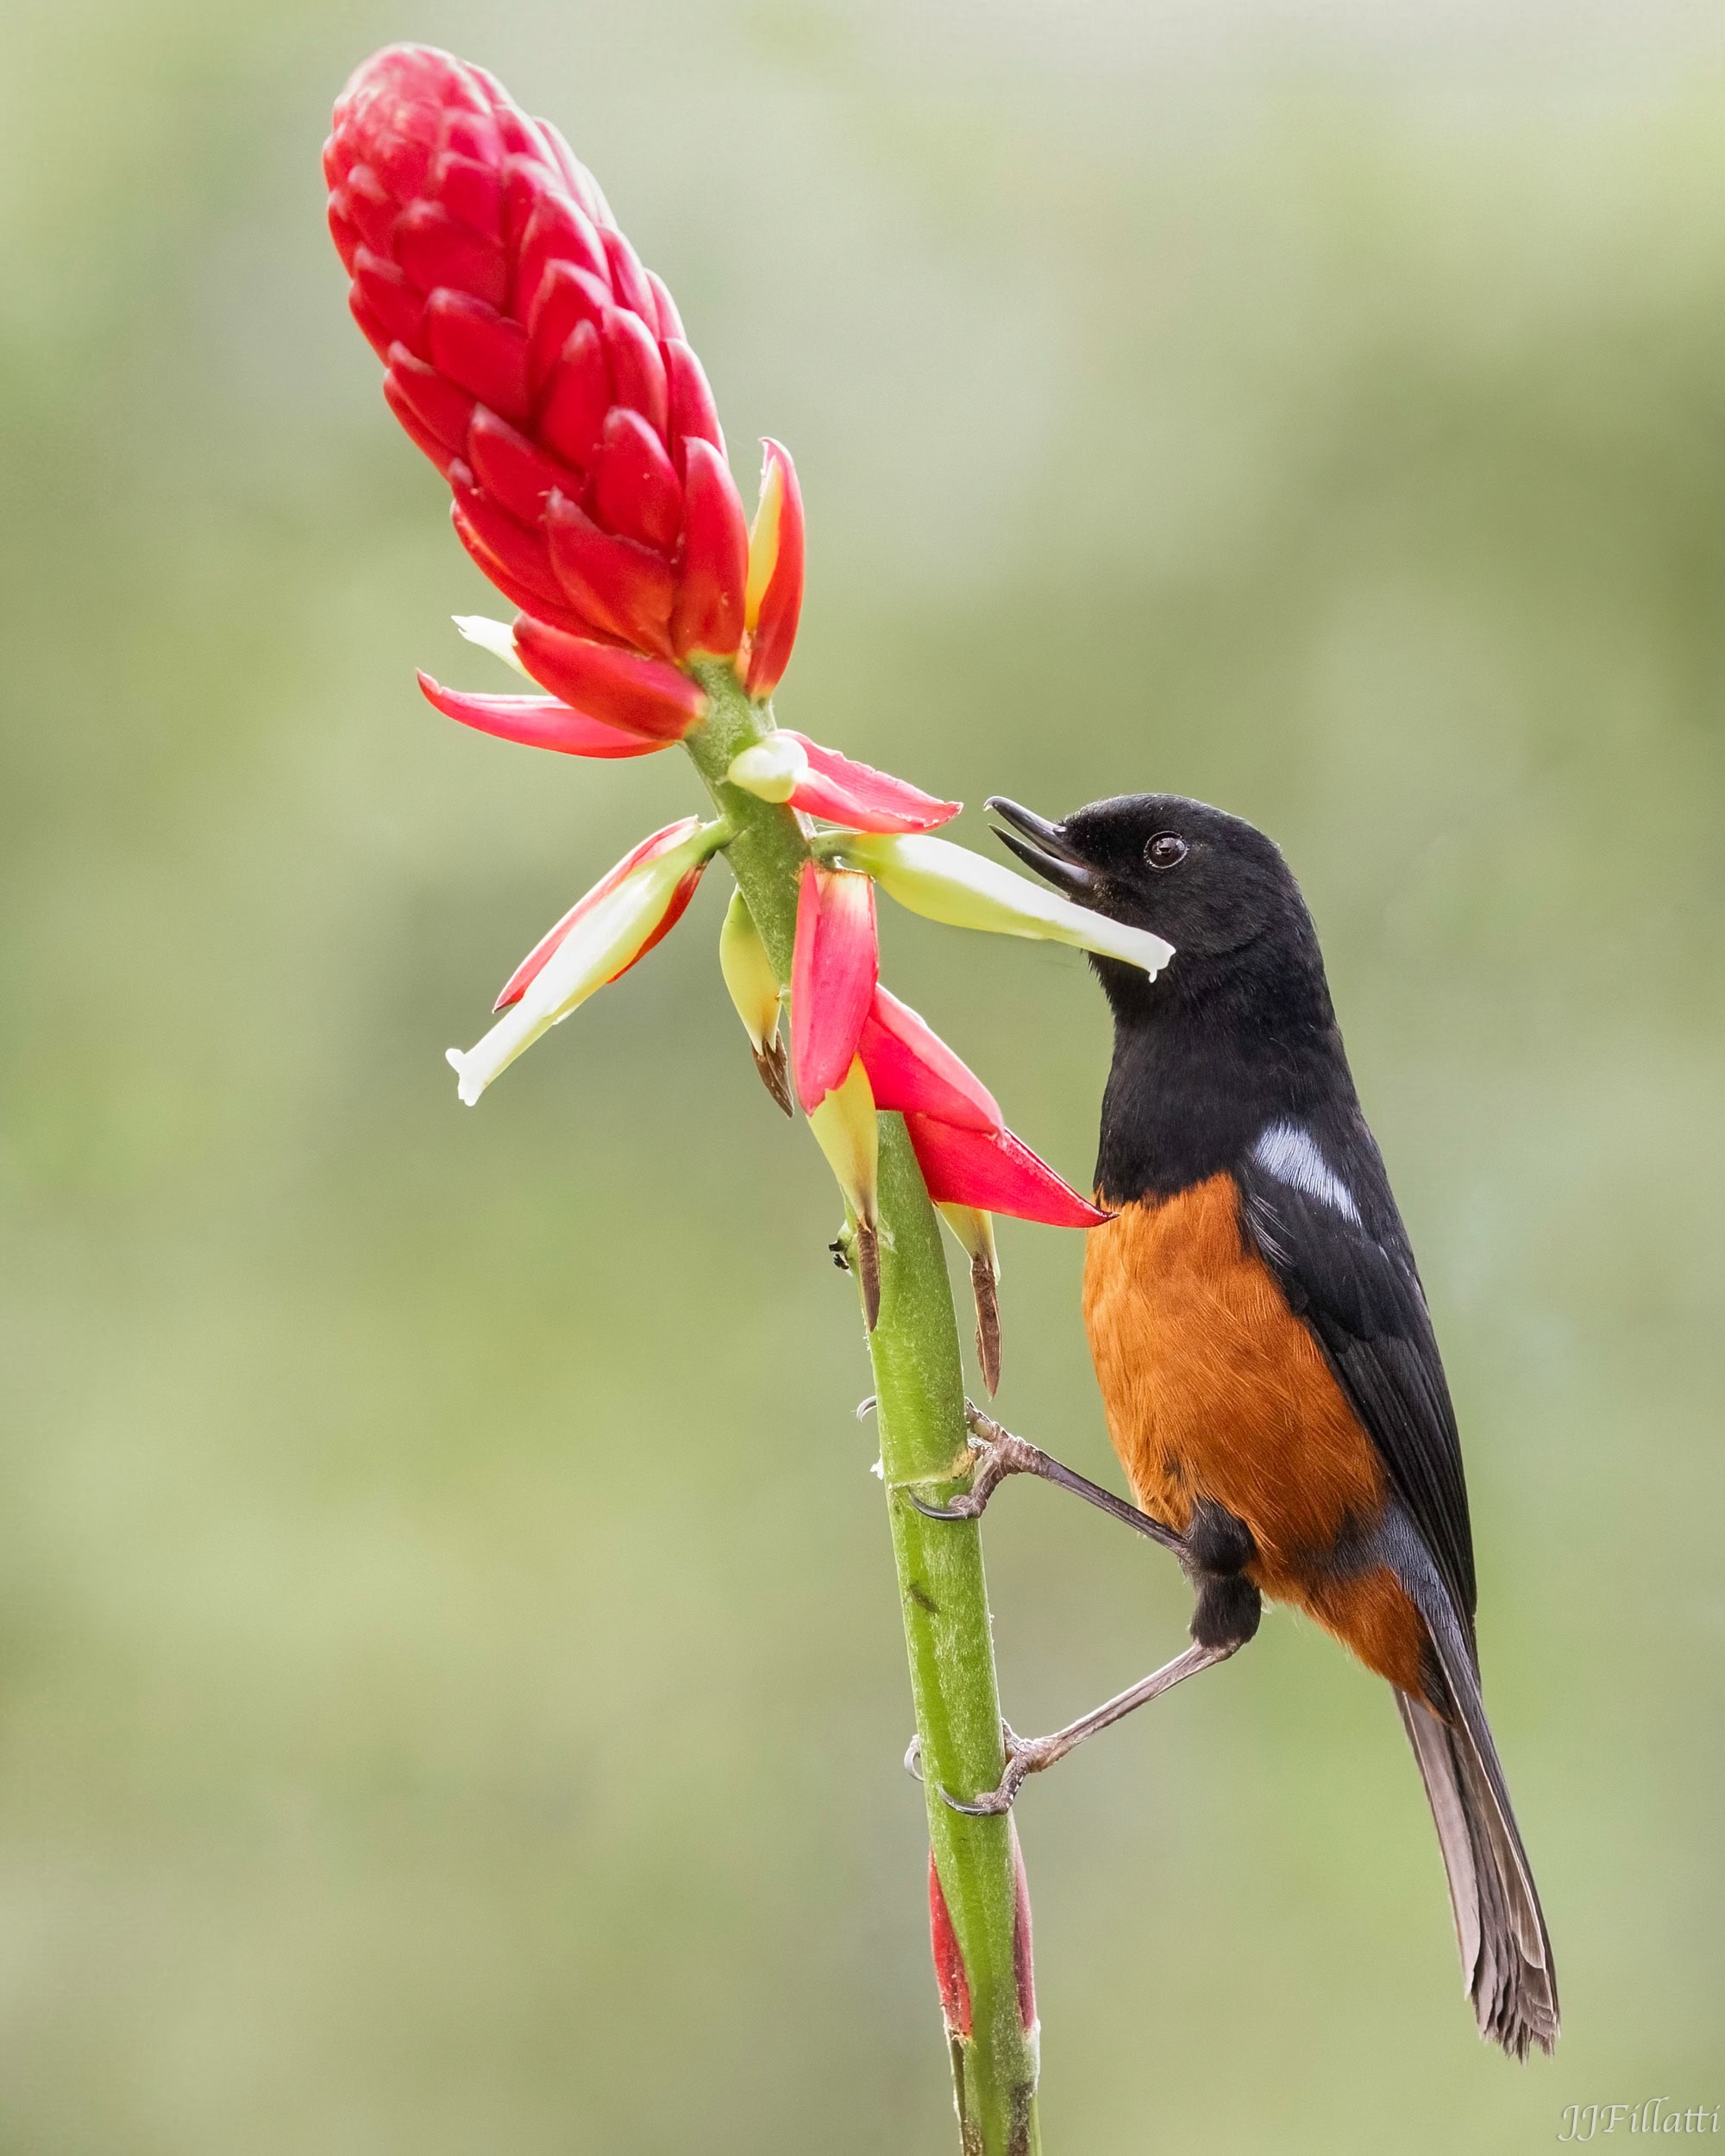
(1213, 1388)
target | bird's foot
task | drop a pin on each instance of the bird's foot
(1025, 1756)
(998, 1454)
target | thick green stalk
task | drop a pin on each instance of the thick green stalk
(941, 1591)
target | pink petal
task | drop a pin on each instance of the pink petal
(538, 722)
(862, 798)
(648, 849)
(911, 1068)
(995, 1172)
(834, 968)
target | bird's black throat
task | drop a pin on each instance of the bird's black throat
(1208, 1055)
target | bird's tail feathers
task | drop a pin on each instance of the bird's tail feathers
(1506, 1955)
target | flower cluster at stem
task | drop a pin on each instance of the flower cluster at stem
(546, 374)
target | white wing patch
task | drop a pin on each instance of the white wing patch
(1291, 1155)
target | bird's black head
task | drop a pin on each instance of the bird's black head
(1209, 883)
(1239, 1029)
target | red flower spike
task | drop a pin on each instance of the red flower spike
(949, 1963)
(708, 615)
(860, 797)
(995, 1172)
(648, 849)
(834, 965)
(538, 722)
(615, 687)
(776, 572)
(487, 269)
(911, 1068)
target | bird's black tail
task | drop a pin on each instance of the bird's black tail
(1506, 1956)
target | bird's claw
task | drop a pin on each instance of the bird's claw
(995, 1453)
(1025, 1756)
(966, 1507)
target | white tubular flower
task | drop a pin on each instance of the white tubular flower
(949, 883)
(601, 936)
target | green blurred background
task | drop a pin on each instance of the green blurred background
(451, 1693)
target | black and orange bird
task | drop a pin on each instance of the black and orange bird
(1268, 1367)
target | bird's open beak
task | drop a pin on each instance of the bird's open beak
(1045, 847)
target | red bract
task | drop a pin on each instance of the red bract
(643, 696)
(910, 1068)
(538, 722)
(995, 1172)
(542, 370)
(648, 849)
(949, 1961)
(834, 966)
(776, 572)
(861, 798)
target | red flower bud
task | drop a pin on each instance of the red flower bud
(543, 371)
(834, 966)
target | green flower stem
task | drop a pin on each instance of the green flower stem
(942, 1592)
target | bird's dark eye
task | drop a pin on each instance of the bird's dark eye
(1166, 850)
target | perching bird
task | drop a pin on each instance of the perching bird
(1268, 1367)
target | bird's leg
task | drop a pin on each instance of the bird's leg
(1228, 1608)
(999, 1454)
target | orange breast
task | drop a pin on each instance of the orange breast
(1212, 1387)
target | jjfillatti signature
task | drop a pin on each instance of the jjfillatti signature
(1582, 2121)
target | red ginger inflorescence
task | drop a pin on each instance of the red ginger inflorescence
(545, 373)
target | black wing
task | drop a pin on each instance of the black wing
(1316, 1203)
